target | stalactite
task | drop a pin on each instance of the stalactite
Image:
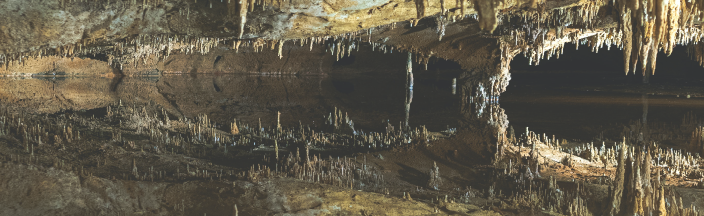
(243, 16)
(487, 13)
(651, 26)
(421, 6)
(443, 7)
(281, 47)
(674, 11)
(251, 5)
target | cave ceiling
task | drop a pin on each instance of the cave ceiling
(151, 37)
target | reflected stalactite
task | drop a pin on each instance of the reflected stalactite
(487, 85)
(484, 117)
(636, 192)
(409, 89)
(645, 136)
(441, 23)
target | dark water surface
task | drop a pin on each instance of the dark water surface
(575, 110)
(370, 101)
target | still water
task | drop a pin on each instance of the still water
(373, 102)
(229, 131)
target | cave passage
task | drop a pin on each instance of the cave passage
(354, 107)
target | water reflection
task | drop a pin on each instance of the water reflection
(310, 100)
(409, 88)
(593, 116)
(255, 104)
(198, 128)
(370, 101)
(643, 138)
